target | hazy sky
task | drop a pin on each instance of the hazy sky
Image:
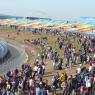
(56, 9)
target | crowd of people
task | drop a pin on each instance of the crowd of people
(30, 81)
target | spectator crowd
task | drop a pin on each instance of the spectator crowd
(30, 81)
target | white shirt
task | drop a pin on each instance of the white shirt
(35, 68)
(88, 83)
(43, 67)
(53, 63)
(90, 68)
(78, 70)
(31, 82)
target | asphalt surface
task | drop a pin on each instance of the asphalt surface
(15, 58)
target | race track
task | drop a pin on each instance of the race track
(17, 57)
